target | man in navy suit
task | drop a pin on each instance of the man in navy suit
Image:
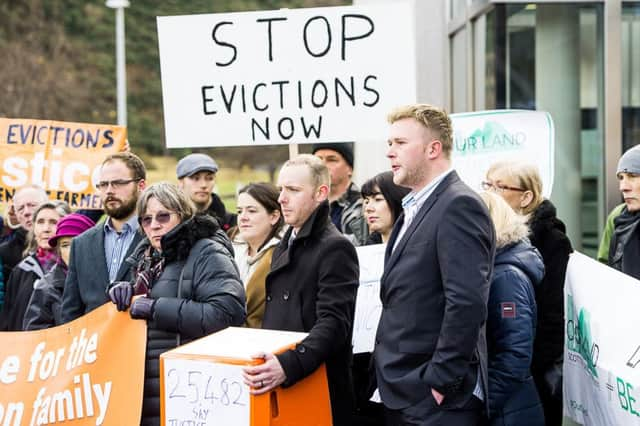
(430, 353)
(98, 255)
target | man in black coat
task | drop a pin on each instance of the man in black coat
(97, 256)
(311, 288)
(430, 353)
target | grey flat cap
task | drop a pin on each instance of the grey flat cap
(194, 163)
(630, 161)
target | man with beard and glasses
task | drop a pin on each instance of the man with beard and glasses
(97, 256)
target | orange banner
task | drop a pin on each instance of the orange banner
(87, 372)
(64, 158)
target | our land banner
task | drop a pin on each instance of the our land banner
(602, 345)
(484, 137)
(86, 372)
(64, 158)
(286, 76)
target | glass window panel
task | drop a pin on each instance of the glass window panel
(516, 78)
(630, 74)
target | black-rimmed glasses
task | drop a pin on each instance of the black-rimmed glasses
(115, 184)
(496, 187)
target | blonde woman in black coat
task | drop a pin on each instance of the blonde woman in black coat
(521, 186)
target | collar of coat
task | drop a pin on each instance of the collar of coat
(314, 225)
(177, 243)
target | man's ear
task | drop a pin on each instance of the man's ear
(322, 193)
(434, 149)
(142, 184)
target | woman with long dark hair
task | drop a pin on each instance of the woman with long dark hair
(382, 205)
(259, 230)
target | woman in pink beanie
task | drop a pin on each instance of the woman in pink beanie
(44, 307)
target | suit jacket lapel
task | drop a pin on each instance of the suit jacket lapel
(96, 251)
(124, 266)
(392, 256)
(281, 254)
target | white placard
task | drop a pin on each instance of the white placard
(602, 345)
(368, 305)
(241, 343)
(485, 137)
(204, 393)
(286, 76)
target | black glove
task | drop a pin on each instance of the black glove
(120, 293)
(142, 308)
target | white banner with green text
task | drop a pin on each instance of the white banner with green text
(602, 344)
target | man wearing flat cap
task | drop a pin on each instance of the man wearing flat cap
(344, 196)
(624, 249)
(197, 177)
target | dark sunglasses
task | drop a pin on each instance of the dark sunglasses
(162, 218)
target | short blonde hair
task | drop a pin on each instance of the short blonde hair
(510, 226)
(527, 177)
(433, 118)
(318, 171)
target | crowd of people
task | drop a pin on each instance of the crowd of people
(472, 326)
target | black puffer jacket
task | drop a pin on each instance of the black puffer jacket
(549, 237)
(18, 292)
(45, 306)
(215, 300)
(11, 251)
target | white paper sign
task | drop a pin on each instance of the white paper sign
(368, 305)
(485, 137)
(602, 345)
(285, 76)
(204, 393)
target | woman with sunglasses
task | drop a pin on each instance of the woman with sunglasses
(521, 186)
(259, 229)
(39, 259)
(178, 308)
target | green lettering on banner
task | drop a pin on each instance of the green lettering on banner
(492, 138)
(625, 396)
(622, 394)
(578, 330)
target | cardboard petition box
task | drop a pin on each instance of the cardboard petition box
(201, 384)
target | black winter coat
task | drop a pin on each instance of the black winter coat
(18, 293)
(216, 299)
(219, 212)
(511, 328)
(11, 251)
(548, 236)
(45, 306)
(312, 288)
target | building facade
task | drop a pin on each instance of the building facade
(578, 60)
